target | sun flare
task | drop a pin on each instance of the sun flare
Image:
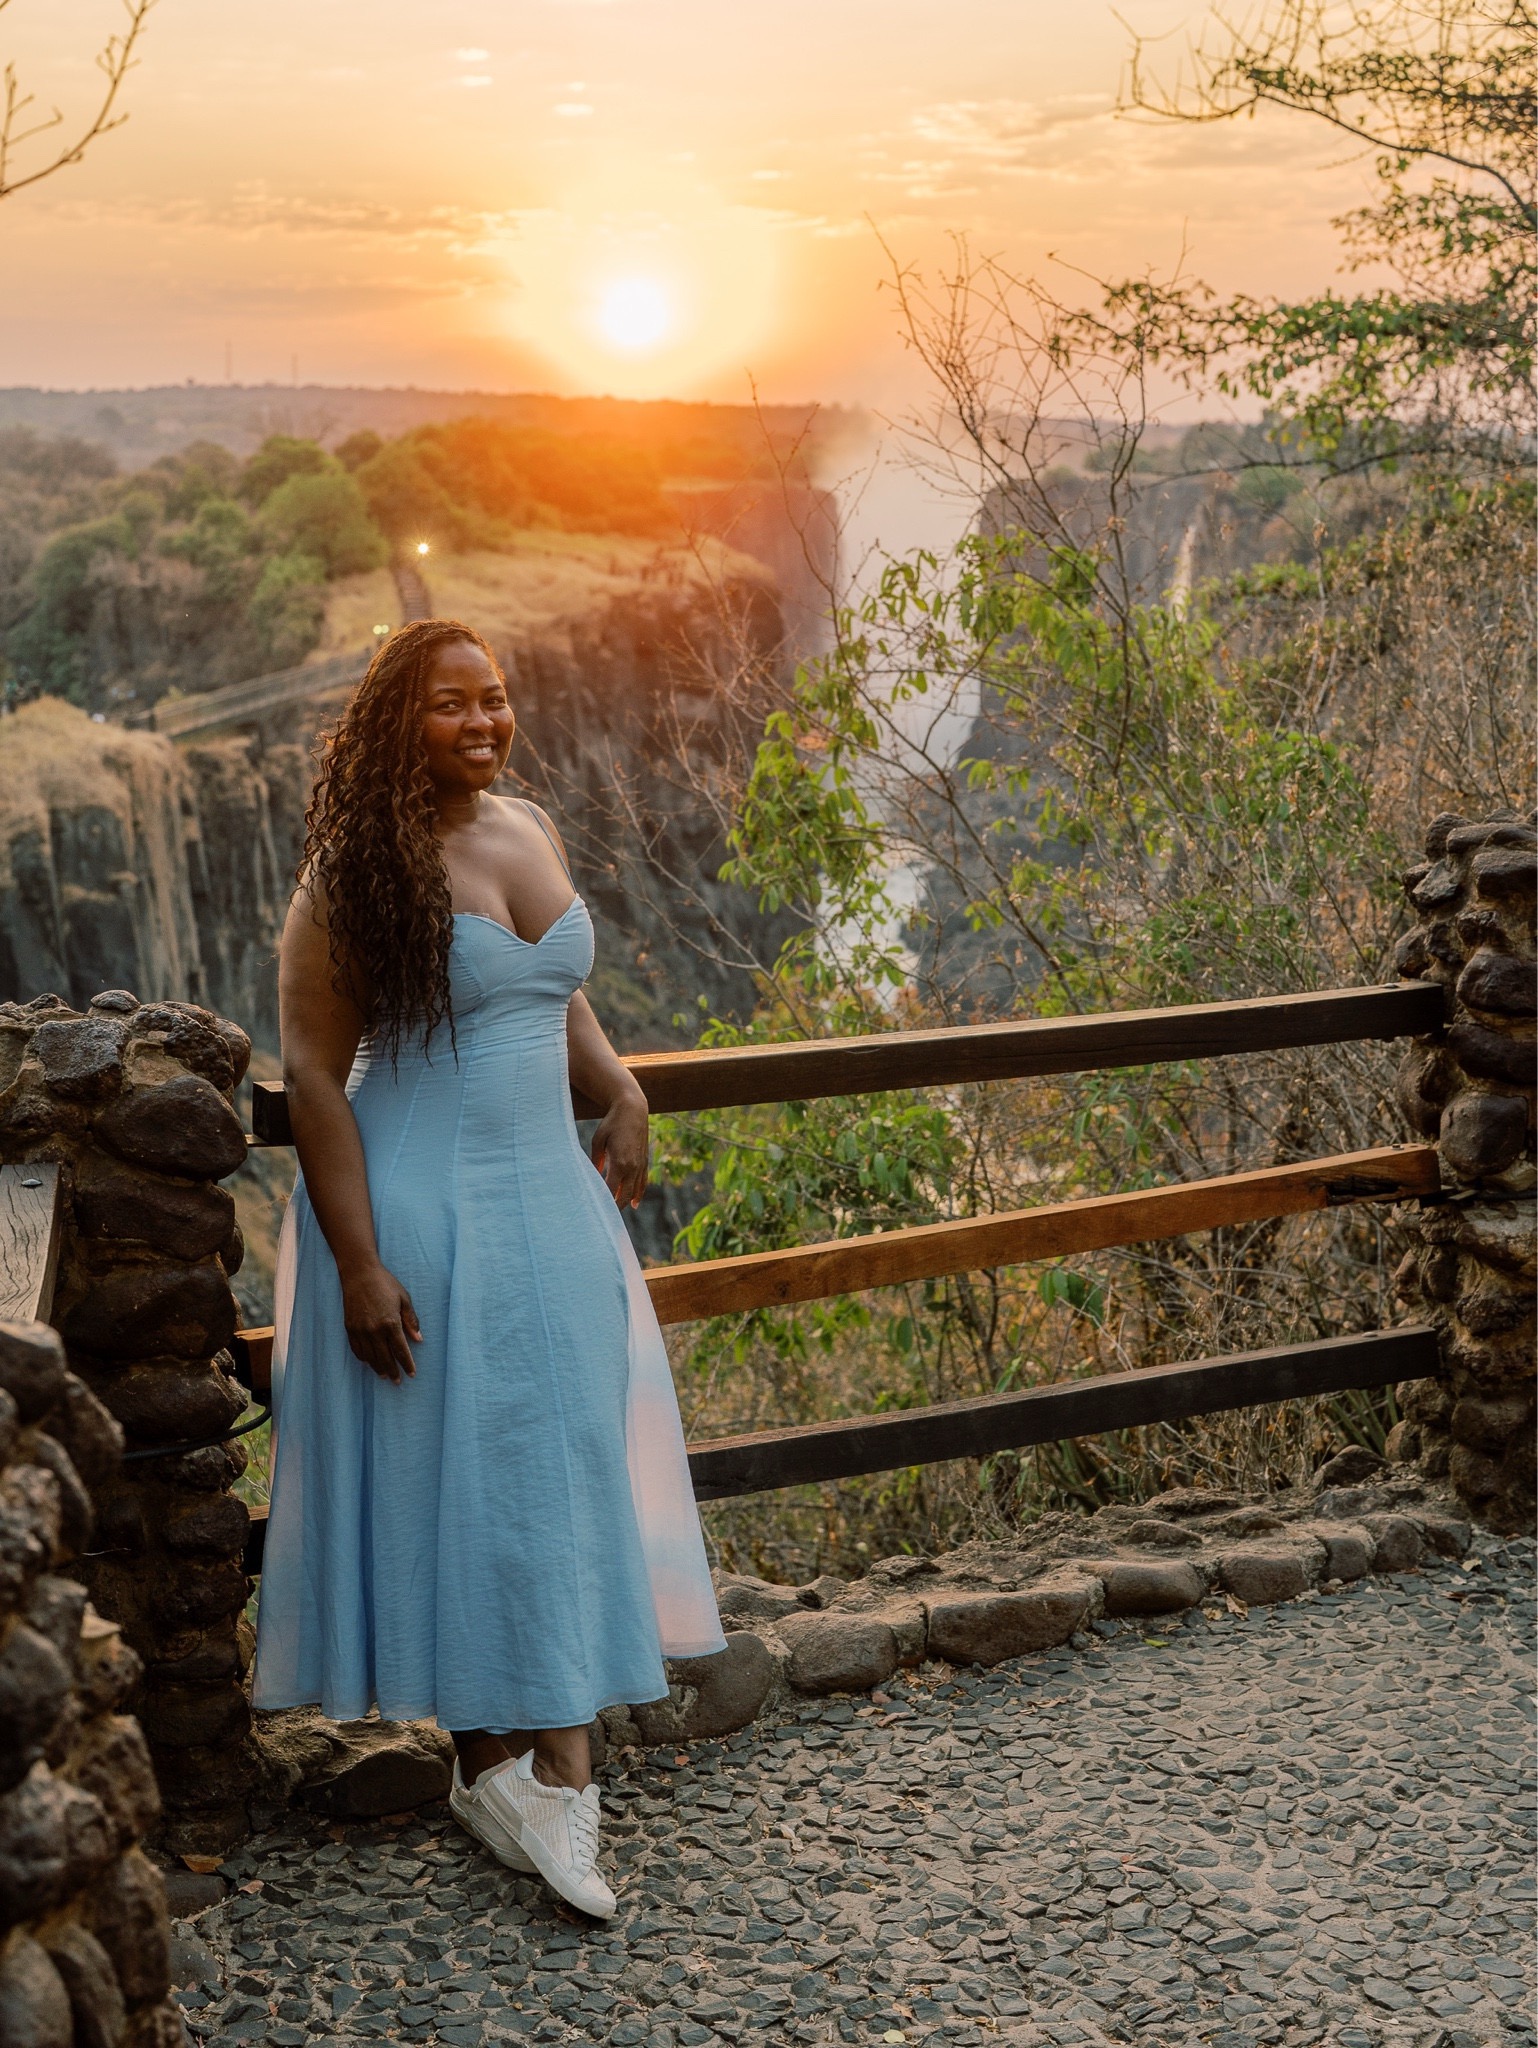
(634, 313)
(673, 290)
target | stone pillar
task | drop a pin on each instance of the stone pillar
(84, 1938)
(1471, 1087)
(134, 1103)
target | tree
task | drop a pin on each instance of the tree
(1442, 94)
(115, 60)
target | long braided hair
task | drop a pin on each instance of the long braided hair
(370, 843)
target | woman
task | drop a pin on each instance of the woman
(481, 1507)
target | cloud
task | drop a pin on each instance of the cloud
(471, 56)
(571, 110)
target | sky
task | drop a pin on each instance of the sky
(687, 198)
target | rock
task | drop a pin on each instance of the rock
(75, 1516)
(751, 1599)
(1402, 1445)
(1436, 887)
(710, 1695)
(1492, 1055)
(156, 2026)
(87, 1432)
(1349, 1467)
(82, 1060)
(1476, 1475)
(106, 1669)
(1492, 1311)
(1138, 1587)
(1151, 1535)
(34, 1845)
(837, 1652)
(29, 1528)
(173, 1402)
(34, 1685)
(111, 1763)
(94, 1996)
(1491, 981)
(32, 1367)
(985, 1628)
(1425, 1080)
(128, 1917)
(1488, 1423)
(1504, 874)
(187, 1034)
(822, 1591)
(215, 1526)
(198, 1594)
(377, 1767)
(34, 2005)
(189, 1892)
(210, 1470)
(148, 1311)
(116, 1002)
(1259, 1573)
(191, 1716)
(1483, 1133)
(1183, 1501)
(1448, 1535)
(1426, 1401)
(183, 1126)
(1398, 1544)
(213, 1652)
(1250, 1521)
(1348, 1551)
(57, 1610)
(181, 1221)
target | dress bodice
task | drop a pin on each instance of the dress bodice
(506, 991)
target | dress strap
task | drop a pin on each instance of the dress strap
(536, 815)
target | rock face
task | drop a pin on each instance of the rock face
(1470, 1086)
(84, 1935)
(133, 1102)
(126, 862)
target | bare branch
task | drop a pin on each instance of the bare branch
(114, 61)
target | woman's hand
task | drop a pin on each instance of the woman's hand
(381, 1323)
(622, 1146)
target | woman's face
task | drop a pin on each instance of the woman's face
(467, 722)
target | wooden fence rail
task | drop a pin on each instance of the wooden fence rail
(730, 1076)
(848, 1265)
(726, 1467)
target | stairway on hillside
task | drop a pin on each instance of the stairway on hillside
(416, 600)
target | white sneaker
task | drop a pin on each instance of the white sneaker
(469, 1809)
(555, 1825)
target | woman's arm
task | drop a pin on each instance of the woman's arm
(320, 1029)
(621, 1145)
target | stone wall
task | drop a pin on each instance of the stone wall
(133, 1101)
(1470, 1086)
(84, 1938)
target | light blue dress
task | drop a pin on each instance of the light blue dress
(509, 1540)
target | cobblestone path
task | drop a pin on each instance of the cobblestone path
(1312, 1824)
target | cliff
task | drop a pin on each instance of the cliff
(127, 863)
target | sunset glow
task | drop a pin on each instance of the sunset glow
(634, 313)
(619, 197)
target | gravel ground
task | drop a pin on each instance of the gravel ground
(1309, 1824)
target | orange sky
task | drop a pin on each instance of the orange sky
(641, 196)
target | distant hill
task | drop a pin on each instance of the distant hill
(688, 439)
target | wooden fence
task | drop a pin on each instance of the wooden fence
(995, 1052)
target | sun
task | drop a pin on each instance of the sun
(634, 313)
